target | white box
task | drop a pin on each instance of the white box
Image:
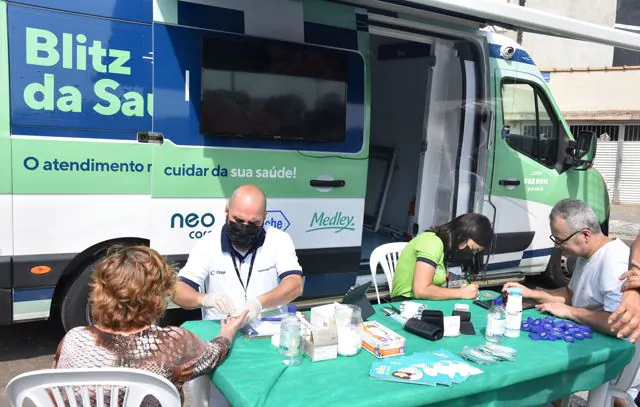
(323, 316)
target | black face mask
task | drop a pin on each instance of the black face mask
(242, 235)
(464, 257)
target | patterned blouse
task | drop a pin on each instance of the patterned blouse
(171, 352)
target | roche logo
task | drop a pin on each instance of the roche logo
(193, 222)
(277, 219)
(331, 221)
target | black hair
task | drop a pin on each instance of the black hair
(468, 226)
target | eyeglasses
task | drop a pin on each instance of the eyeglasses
(560, 242)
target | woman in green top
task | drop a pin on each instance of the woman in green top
(422, 267)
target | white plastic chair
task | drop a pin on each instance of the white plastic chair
(387, 256)
(620, 386)
(602, 396)
(64, 384)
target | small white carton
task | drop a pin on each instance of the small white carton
(323, 316)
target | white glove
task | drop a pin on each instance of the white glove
(255, 309)
(220, 302)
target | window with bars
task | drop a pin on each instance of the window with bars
(632, 132)
(604, 132)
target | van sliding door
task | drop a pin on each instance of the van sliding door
(450, 182)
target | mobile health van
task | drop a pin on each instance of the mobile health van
(364, 121)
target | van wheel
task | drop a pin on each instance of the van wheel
(559, 270)
(76, 310)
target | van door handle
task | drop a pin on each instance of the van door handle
(150, 137)
(321, 183)
(509, 182)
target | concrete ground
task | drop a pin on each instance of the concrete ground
(31, 346)
(625, 221)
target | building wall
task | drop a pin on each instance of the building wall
(597, 95)
(552, 52)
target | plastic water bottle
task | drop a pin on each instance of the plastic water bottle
(514, 313)
(291, 338)
(496, 322)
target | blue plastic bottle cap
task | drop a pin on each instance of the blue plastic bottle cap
(536, 329)
(530, 320)
(525, 326)
(292, 308)
(547, 326)
(587, 335)
(558, 323)
(537, 322)
(497, 301)
(544, 335)
(585, 328)
(568, 338)
(548, 320)
(534, 336)
(579, 336)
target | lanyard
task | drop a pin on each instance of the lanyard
(233, 259)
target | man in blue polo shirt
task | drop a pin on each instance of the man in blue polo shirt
(241, 264)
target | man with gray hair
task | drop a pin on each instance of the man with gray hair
(593, 292)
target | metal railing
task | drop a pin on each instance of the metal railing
(617, 143)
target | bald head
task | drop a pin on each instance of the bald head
(247, 204)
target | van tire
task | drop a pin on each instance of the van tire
(75, 305)
(559, 270)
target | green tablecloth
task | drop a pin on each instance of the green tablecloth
(254, 375)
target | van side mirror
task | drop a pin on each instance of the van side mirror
(583, 150)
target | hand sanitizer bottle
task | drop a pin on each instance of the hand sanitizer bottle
(496, 322)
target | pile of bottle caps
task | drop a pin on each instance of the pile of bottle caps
(553, 329)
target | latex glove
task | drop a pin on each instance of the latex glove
(255, 309)
(219, 302)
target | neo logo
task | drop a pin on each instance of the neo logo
(191, 221)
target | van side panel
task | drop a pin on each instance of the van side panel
(80, 91)
(6, 210)
(194, 173)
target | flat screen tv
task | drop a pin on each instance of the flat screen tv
(258, 88)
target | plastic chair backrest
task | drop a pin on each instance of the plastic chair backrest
(386, 256)
(51, 387)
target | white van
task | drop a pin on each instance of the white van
(364, 121)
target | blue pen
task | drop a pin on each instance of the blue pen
(270, 319)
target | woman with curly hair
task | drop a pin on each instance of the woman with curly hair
(130, 290)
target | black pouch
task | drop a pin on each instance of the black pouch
(466, 327)
(434, 317)
(424, 329)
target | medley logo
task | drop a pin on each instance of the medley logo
(336, 221)
(194, 223)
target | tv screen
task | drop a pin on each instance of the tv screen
(272, 89)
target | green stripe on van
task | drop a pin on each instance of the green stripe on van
(5, 141)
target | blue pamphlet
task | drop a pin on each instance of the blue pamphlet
(427, 368)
